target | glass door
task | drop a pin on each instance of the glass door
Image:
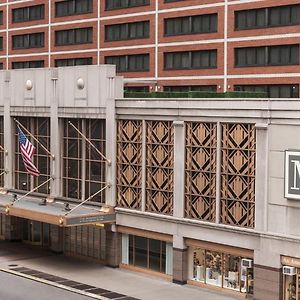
(36, 233)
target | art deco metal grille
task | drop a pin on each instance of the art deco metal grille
(200, 171)
(238, 174)
(129, 163)
(159, 166)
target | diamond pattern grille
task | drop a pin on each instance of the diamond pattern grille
(200, 171)
(129, 163)
(238, 174)
(159, 166)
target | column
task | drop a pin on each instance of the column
(180, 260)
(113, 246)
(13, 228)
(57, 239)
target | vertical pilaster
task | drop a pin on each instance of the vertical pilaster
(261, 178)
(8, 135)
(218, 172)
(110, 193)
(179, 167)
(55, 137)
(144, 177)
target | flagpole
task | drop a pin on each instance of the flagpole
(92, 145)
(52, 155)
(31, 191)
(98, 192)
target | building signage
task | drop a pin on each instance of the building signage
(292, 174)
(290, 261)
(81, 220)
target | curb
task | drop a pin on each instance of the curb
(58, 285)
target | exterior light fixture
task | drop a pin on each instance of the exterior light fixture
(29, 85)
(80, 83)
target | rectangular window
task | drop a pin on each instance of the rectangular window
(129, 63)
(28, 64)
(25, 41)
(40, 128)
(127, 31)
(146, 253)
(1, 43)
(281, 55)
(191, 24)
(83, 168)
(73, 62)
(272, 90)
(1, 17)
(118, 4)
(73, 7)
(29, 13)
(267, 17)
(203, 59)
(191, 88)
(74, 36)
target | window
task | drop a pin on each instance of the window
(169, 1)
(191, 88)
(1, 17)
(127, 31)
(202, 59)
(25, 41)
(132, 89)
(83, 168)
(73, 62)
(40, 128)
(191, 24)
(1, 43)
(223, 270)
(1, 65)
(73, 7)
(147, 253)
(28, 64)
(129, 63)
(30, 13)
(267, 17)
(117, 4)
(281, 55)
(74, 36)
(273, 91)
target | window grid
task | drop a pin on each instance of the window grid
(40, 129)
(26, 41)
(27, 64)
(29, 13)
(73, 7)
(129, 63)
(74, 36)
(65, 62)
(119, 4)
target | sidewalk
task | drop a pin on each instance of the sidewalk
(122, 281)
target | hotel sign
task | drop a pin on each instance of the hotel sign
(292, 175)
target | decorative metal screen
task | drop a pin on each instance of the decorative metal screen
(238, 174)
(159, 166)
(129, 164)
(1, 152)
(200, 171)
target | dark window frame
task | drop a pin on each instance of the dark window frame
(27, 12)
(68, 12)
(126, 4)
(126, 62)
(72, 35)
(28, 40)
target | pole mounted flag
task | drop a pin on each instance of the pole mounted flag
(27, 151)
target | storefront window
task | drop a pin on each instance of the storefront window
(223, 270)
(291, 283)
(213, 261)
(146, 253)
(199, 264)
(231, 272)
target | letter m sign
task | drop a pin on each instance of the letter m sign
(292, 175)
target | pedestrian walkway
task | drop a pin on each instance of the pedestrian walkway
(116, 281)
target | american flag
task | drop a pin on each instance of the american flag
(27, 151)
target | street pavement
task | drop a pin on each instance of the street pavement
(17, 288)
(17, 256)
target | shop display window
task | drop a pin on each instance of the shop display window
(223, 270)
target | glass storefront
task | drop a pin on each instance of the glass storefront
(223, 270)
(291, 283)
(37, 233)
(147, 253)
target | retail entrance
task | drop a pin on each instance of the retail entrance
(36, 233)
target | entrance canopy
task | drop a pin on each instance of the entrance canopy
(55, 212)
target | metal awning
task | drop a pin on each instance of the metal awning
(55, 213)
